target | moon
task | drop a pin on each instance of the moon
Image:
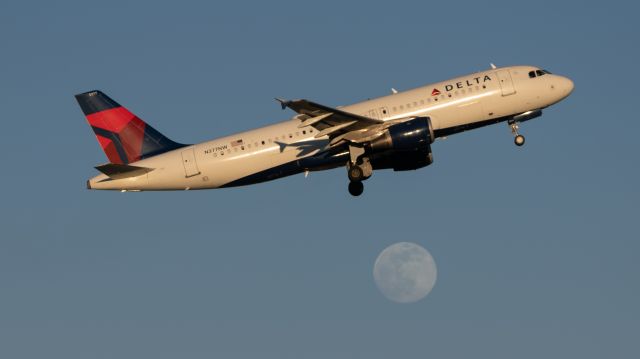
(405, 272)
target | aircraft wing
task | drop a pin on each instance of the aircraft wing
(339, 125)
(328, 121)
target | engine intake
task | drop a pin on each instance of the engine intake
(404, 146)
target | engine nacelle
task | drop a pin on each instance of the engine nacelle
(404, 146)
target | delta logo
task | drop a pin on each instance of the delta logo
(462, 84)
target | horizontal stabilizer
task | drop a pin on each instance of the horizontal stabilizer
(120, 171)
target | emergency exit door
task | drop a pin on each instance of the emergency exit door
(379, 114)
(506, 84)
(189, 162)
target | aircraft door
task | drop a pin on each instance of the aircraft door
(189, 162)
(506, 84)
(379, 114)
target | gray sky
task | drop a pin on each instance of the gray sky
(536, 246)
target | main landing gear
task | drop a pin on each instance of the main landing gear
(358, 169)
(519, 139)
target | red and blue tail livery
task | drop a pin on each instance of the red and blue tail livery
(123, 136)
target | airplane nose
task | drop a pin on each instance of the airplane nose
(567, 86)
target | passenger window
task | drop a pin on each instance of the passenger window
(304, 132)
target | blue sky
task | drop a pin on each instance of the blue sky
(536, 246)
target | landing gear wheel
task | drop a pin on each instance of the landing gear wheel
(519, 140)
(355, 173)
(356, 188)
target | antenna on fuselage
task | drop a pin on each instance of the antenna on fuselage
(394, 91)
(493, 66)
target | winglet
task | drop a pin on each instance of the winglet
(283, 103)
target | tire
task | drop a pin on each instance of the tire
(356, 188)
(519, 140)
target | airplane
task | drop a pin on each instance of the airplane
(391, 132)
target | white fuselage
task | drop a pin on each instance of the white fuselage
(283, 149)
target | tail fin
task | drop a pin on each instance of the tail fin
(124, 137)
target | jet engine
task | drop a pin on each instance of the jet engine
(404, 146)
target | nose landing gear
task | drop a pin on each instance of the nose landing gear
(519, 139)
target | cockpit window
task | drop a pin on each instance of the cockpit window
(537, 73)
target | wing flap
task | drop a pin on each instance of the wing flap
(333, 129)
(313, 120)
